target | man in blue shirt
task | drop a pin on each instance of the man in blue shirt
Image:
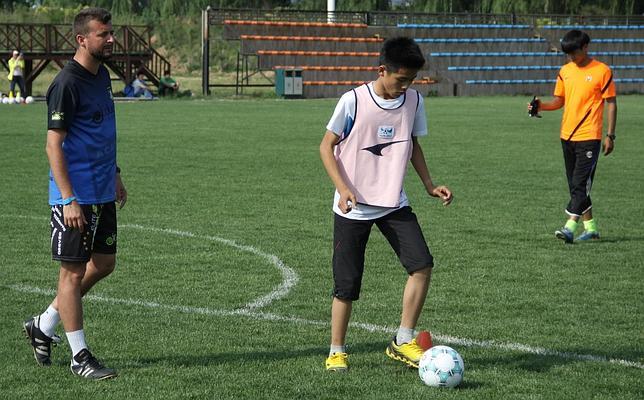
(84, 183)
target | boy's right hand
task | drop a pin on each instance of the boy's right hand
(347, 201)
(533, 107)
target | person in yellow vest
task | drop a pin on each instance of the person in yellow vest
(16, 74)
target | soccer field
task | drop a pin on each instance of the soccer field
(223, 281)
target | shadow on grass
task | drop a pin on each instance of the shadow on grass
(361, 355)
(542, 363)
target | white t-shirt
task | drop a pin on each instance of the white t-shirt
(342, 119)
(17, 71)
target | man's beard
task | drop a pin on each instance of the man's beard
(99, 55)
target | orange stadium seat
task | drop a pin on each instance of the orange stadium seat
(313, 38)
(318, 53)
(291, 23)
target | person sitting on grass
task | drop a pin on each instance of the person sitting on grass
(141, 88)
(167, 84)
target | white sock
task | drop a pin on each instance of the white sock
(76, 341)
(48, 321)
(337, 349)
(404, 335)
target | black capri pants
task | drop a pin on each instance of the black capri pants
(402, 231)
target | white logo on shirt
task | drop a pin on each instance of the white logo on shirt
(589, 78)
(386, 132)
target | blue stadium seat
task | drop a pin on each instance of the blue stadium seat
(593, 27)
(529, 81)
(619, 40)
(465, 26)
(479, 40)
(527, 67)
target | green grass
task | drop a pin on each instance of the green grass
(249, 172)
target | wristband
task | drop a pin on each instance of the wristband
(68, 200)
(611, 137)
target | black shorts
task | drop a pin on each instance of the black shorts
(99, 236)
(402, 231)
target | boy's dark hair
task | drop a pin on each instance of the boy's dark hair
(574, 40)
(81, 20)
(401, 52)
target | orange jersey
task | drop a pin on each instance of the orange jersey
(584, 90)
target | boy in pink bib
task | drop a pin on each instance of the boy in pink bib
(369, 142)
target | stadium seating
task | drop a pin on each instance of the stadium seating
(463, 59)
(472, 59)
(332, 56)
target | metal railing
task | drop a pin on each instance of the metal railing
(393, 18)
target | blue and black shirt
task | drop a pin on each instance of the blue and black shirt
(81, 103)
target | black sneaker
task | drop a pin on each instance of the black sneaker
(89, 367)
(40, 342)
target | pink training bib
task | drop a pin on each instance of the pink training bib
(373, 157)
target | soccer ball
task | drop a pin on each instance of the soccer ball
(5, 100)
(441, 366)
(29, 99)
(19, 99)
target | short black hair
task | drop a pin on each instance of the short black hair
(81, 20)
(574, 40)
(401, 52)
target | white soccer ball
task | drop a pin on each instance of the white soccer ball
(441, 366)
(19, 99)
(29, 100)
(5, 100)
(10, 100)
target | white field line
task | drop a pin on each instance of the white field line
(259, 315)
(289, 276)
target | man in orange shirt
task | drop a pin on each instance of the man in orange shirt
(582, 86)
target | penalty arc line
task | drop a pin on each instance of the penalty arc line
(289, 276)
(259, 315)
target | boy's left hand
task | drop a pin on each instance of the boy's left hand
(607, 146)
(443, 193)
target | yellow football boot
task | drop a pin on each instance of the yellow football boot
(337, 362)
(408, 353)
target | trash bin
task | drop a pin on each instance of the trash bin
(288, 82)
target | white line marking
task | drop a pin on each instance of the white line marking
(259, 315)
(289, 276)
